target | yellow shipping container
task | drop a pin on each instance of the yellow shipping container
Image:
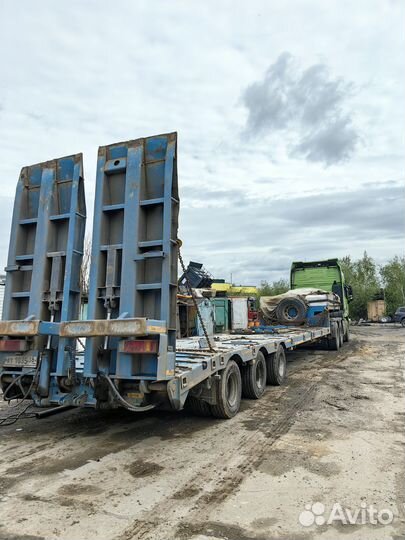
(223, 287)
(231, 289)
(248, 290)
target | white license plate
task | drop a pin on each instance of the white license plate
(21, 360)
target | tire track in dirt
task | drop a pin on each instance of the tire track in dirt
(248, 454)
(260, 426)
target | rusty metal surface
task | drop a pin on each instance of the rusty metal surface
(114, 327)
(19, 328)
(135, 346)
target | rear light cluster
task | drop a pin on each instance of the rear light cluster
(13, 345)
(139, 346)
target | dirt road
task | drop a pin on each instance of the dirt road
(334, 436)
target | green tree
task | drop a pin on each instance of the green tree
(362, 275)
(272, 289)
(393, 279)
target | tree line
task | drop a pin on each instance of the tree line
(369, 281)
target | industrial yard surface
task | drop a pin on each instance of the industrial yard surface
(333, 437)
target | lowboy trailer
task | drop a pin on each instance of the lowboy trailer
(131, 358)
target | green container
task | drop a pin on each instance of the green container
(221, 306)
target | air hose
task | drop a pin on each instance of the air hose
(125, 403)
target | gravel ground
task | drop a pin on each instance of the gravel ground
(326, 446)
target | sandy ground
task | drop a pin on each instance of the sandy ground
(334, 435)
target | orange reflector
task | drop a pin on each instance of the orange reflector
(138, 346)
(13, 345)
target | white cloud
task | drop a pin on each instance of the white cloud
(76, 75)
(306, 108)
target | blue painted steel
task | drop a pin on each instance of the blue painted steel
(317, 316)
(134, 252)
(315, 310)
(267, 329)
(45, 252)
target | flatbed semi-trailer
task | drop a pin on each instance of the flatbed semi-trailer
(131, 357)
(201, 375)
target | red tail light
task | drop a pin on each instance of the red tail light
(139, 346)
(13, 345)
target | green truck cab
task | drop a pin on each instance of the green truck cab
(327, 275)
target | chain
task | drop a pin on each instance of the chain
(191, 293)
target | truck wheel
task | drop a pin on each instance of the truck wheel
(291, 310)
(277, 367)
(403, 322)
(341, 334)
(254, 377)
(229, 392)
(334, 338)
(346, 335)
(197, 406)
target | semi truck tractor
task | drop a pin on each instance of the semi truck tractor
(326, 275)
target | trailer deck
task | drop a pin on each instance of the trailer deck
(194, 364)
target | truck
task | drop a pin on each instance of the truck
(327, 275)
(132, 358)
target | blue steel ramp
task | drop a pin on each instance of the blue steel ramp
(43, 270)
(133, 271)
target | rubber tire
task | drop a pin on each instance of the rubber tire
(334, 342)
(346, 335)
(341, 334)
(275, 376)
(251, 389)
(198, 407)
(403, 322)
(223, 409)
(287, 303)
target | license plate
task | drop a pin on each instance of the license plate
(21, 360)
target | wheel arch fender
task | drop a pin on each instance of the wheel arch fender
(282, 344)
(238, 359)
(264, 351)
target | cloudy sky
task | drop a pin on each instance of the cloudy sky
(290, 115)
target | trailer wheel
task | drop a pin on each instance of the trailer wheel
(254, 376)
(197, 406)
(229, 392)
(334, 338)
(277, 367)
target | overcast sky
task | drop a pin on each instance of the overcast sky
(290, 116)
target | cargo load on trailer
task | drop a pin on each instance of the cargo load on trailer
(299, 306)
(327, 275)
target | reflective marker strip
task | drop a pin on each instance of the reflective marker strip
(158, 329)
